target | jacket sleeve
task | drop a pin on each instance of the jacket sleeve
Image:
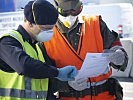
(110, 39)
(13, 54)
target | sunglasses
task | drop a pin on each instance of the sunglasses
(72, 12)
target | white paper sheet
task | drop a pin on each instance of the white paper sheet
(94, 64)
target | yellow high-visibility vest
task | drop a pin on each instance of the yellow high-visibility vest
(18, 87)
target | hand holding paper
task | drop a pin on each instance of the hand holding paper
(117, 55)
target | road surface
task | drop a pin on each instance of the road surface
(127, 84)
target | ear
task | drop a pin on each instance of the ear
(30, 24)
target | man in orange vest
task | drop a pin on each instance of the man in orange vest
(73, 38)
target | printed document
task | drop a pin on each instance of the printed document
(94, 64)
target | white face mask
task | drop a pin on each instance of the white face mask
(44, 36)
(68, 21)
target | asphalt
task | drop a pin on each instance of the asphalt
(127, 84)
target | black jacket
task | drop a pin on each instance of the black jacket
(14, 59)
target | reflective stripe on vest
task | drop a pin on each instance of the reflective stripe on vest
(18, 86)
(22, 93)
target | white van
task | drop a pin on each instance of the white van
(118, 16)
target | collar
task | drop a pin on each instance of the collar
(25, 34)
(80, 19)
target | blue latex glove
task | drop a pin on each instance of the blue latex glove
(67, 73)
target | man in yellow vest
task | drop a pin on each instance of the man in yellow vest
(73, 38)
(24, 74)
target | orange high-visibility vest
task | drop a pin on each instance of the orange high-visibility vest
(59, 49)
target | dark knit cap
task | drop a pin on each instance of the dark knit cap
(41, 12)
